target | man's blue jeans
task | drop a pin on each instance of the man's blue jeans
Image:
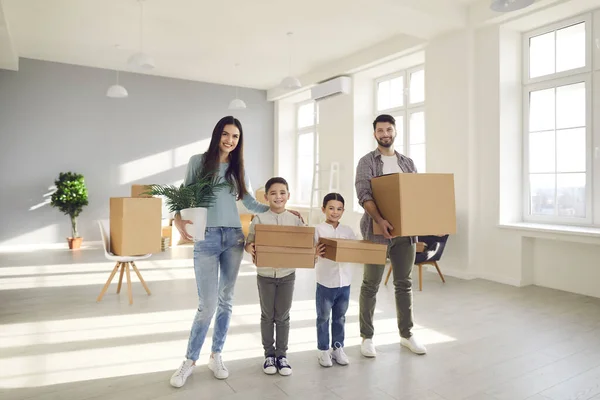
(217, 262)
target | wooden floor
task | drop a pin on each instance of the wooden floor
(485, 340)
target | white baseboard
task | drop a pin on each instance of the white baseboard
(455, 273)
(25, 248)
(499, 279)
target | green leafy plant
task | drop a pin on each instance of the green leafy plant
(202, 193)
(70, 197)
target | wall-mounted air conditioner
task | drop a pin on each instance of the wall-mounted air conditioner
(332, 87)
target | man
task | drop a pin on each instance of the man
(401, 250)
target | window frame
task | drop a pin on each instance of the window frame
(529, 85)
(406, 110)
(298, 132)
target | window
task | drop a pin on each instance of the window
(558, 92)
(306, 125)
(402, 95)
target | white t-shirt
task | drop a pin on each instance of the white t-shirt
(330, 273)
(390, 164)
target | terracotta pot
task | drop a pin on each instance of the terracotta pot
(75, 243)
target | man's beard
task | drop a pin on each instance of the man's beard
(384, 144)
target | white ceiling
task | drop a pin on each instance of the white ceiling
(203, 39)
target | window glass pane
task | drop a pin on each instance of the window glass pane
(417, 128)
(541, 55)
(306, 115)
(305, 166)
(570, 150)
(570, 106)
(542, 188)
(383, 95)
(399, 132)
(541, 152)
(570, 195)
(541, 110)
(397, 92)
(417, 87)
(417, 153)
(570, 47)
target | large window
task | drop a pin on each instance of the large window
(558, 135)
(306, 128)
(402, 95)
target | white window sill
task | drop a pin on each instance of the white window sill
(569, 233)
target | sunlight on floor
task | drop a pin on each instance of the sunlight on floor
(34, 370)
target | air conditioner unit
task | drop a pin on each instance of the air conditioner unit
(332, 87)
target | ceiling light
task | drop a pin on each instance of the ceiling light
(117, 92)
(237, 104)
(510, 5)
(291, 82)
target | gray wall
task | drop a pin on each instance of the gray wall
(56, 117)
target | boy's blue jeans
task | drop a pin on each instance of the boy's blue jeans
(331, 302)
(217, 262)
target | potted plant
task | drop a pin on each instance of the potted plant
(192, 201)
(70, 197)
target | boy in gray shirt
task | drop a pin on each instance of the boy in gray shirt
(275, 285)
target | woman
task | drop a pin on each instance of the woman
(220, 254)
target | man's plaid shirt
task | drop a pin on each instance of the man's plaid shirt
(370, 166)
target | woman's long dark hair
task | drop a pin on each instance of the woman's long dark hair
(235, 172)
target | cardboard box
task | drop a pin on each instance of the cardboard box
(285, 236)
(138, 190)
(284, 257)
(354, 251)
(416, 204)
(420, 247)
(135, 225)
(260, 196)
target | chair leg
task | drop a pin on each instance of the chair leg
(120, 278)
(129, 284)
(420, 277)
(439, 271)
(110, 278)
(141, 279)
(387, 278)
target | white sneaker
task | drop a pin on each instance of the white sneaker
(179, 377)
(413, 345)
(269, 366)
(367, 348)
(215, 364)
(339, 356)
(325, 358)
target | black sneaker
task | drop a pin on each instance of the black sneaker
(269, 367)
(283, 366)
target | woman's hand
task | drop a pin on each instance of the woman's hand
(297, 214)
(180, 225)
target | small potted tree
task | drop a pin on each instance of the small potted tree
(192, 201)
(70, 197)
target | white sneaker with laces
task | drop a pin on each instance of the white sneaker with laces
(325, 358)
(181, 374)
(414, 345)
(215, 364)
(339, 356)
(367, 348)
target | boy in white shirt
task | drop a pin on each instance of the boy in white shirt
(275, 285)
(333, 285)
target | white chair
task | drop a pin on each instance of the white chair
(122, 261)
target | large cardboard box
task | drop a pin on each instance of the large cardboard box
(260, 196)
(135, 225)
(416, 204)
(284, 257)
(138, 190)
(354, 251)
(284, 236)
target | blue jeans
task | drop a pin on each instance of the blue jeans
(219, 254)
(331, 302)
